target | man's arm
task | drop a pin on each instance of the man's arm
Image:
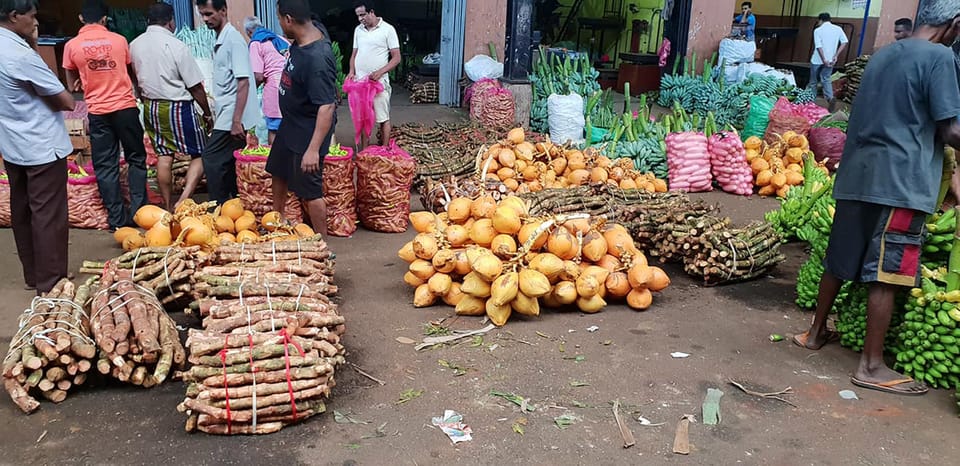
(133, 80)
(243, 88)
(950, 132)
(353, 65)
(394, 61)
(62, 102)
(843, 48)
(200, 97)
(73, 80)
(311, 159)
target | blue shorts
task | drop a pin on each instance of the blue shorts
(273, 124)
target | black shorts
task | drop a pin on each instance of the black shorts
(875, 243)
(285, 164)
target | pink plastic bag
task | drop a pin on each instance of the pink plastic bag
(360, 96)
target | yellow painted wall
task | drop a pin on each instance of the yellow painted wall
(836, 8)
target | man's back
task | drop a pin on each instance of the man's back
(828, 37)
(164, 66)
(892, 155)
(101, 58)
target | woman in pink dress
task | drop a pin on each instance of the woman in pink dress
(267, 58)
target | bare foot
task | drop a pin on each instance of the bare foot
(884, 379)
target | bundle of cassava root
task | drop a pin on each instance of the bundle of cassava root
(165, 271)
(138, 341)
(52, 349)
(270, 341)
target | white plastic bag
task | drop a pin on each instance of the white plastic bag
(482, 66)
(736, 51)
(565, 118)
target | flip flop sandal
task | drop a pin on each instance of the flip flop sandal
(889, 386)
(801, 339)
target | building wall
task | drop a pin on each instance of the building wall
(892, 11)
(800, 48)
(710, 22)
(486, 22)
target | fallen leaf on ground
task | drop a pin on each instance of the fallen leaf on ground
(405, 340)
(408, 395)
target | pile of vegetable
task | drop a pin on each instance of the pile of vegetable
(270, 343)
(193, 224)
(255, 185)
(556, 75)
(165, 271)
(493, 259)
(778, 166)
(688, 159)
(52, 350)
(699, 94)
(635, 136)
(929, 335)
(728, 160)
(523, 166)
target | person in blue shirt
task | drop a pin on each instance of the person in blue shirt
(747, 17)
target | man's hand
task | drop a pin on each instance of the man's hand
(236, 130)
(311, 161)
(351, 77)
(376, 75)
(208, 123)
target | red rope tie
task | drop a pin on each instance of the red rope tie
(226, 387)
(286, 354)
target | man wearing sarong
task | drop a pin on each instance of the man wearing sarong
(170, 85)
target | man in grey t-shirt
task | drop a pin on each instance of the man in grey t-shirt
(888, 181)
(234, 99)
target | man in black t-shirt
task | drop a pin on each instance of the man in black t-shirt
(308, 102)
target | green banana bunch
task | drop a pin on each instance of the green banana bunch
(929, 336)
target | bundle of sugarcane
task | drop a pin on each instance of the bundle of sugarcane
(165, 271)
(271, 339)
(678, 236)
(52, 349)
(854, 73)
(138, 341)
(650, 221)
(728, 255)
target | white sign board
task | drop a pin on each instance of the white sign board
(858, 4)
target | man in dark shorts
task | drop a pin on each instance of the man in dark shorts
(308, 101)
(904, 113)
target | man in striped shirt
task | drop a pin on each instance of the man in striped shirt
(170, 83)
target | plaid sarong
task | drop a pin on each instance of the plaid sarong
(173, 127)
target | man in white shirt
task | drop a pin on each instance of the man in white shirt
(829, 42)
(170, 82)
(376, 51)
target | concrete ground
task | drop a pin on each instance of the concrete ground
(552, 361)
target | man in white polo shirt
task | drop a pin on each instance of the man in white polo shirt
(376, 51)
(829, 42)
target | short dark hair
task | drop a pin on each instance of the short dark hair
(19, 7)
(824, 17)
(905, 22)
(159, 14)
(299, 10)
(366, 4)
(93, 11)
(748, 4)
(216, 4)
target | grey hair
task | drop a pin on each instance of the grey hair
(251, 22)
(937, 12)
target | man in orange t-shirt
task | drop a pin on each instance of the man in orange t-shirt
(101, 61)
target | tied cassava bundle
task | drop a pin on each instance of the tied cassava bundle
(270, 342)
(52, 350)
(138, 341)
